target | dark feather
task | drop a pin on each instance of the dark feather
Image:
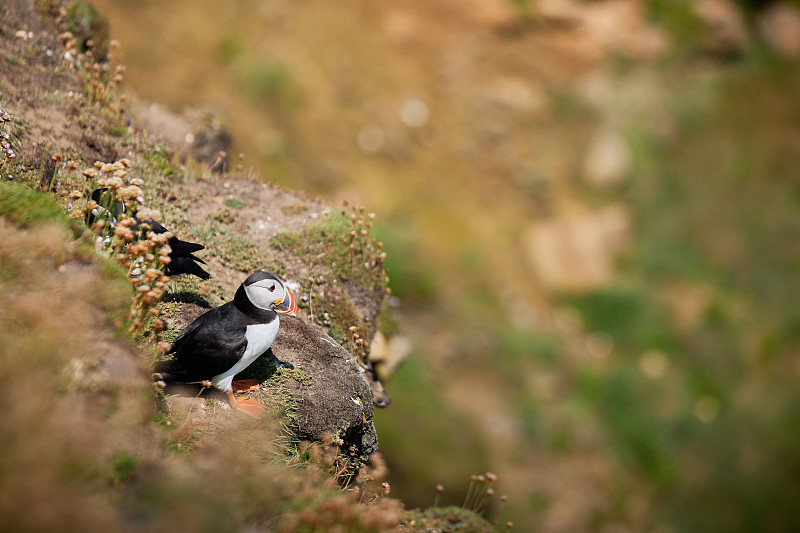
(209, 346)
(186, 265)
(183, 260)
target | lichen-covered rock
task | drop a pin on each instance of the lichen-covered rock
(328, 387)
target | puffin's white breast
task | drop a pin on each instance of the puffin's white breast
(259, 338)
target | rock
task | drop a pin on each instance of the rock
(514, 95)
(197, 134)
(387, 354)
(608, 160)
(779, 26)
(611, 26)
(726, 33)
(577, 252)
(328, 386)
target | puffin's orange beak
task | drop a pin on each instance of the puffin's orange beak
(287, 304)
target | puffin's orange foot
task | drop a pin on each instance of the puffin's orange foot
(245, 385)
(250, 407)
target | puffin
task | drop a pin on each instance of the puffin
(183, 260)
(227, 339)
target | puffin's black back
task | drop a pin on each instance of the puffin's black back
(215, 341)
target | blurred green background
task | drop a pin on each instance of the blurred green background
(591, 215)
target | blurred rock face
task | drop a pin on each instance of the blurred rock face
(725, 31)
(780, 27)
(194, 134)
(609, 159)
(577, 251)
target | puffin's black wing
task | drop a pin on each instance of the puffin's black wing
(186, 265)
(178, 246)
(181, 248)
(181, 254)
(209, 346)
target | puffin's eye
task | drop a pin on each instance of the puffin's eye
(272, 287)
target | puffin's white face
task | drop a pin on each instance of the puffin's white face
(265, 294)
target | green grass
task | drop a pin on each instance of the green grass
(157, 162)
(231, 249)
(234, 202)
(26, 207)
(290, 241)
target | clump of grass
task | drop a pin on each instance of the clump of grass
(480, 492)
(356, 344)
(328, 508)
(343, 243)
(225, 216)
(288, 240)
(366, 258)
(26, 207)
(122, 466)
(101, 81)
(361, 477)
(234, 202)
(293, 209)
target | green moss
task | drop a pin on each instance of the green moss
(445, 520)
(122, 466)
(329, 242)
(116, 129)
(288, 240)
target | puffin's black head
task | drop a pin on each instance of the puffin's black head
(267, 291)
